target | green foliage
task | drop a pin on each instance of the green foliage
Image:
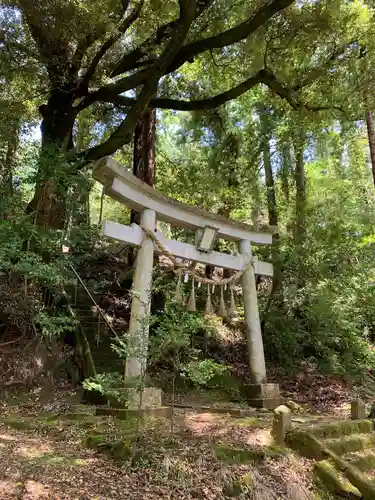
(175, 330)
(107, 384)
(322, 310)
(54, 326)
(202, 372)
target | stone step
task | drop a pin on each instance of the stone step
(351, 444)
(335, 482)
(339, 429)
(364, 461)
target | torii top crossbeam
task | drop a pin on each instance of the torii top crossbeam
(121, 185)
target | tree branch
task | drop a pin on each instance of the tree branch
(124, 26)
(316, 73)
(118, 87)
(124, 133)
(231, 36)
(186, 53)
(131, 60)
(192, 105)
(124, 6)
(38, 30)
(81, 49)
(265, 76)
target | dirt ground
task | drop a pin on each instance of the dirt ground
(43, 455)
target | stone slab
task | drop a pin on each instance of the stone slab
(233, 412)
(123, 414)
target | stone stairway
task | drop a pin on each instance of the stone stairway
(96, 330)
(345, 456)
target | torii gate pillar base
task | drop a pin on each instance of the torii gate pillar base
(262, 395)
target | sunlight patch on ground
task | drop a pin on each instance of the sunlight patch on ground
(260, 437)
(9, 488)
(35, 490)
(32, 451)
(7, 437)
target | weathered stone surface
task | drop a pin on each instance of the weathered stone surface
(133, 399)
(294, 407)
(331, 479)
(362, 462)
(282, 423)
(124, 414)
(351, 444)
(340, 429)
(358, 410)
(149, 397)
(262, 395)
(306, 444)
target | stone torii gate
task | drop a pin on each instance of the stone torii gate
(121, 185)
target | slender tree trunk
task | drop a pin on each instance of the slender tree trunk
(101, 206)
(7, 170)
(272, 212)
(270, 185)
(300, 226)
(371, 140)
(266, 129)
(285, 171)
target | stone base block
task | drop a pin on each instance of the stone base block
(358, 410)
(149, 397)
(133, 399)
(262, 395)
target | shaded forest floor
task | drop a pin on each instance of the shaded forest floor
(43, 444)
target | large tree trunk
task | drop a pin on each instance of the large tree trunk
(144, 164)
(371, 140)
(49, 202)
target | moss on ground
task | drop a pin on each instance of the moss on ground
(232, 455)
(119, 449)
(21, 424)
(253, 422)
(242, 485)
(53, 459)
